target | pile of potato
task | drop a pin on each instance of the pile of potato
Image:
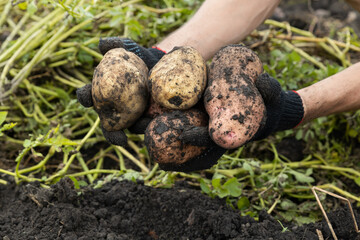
(178, 94)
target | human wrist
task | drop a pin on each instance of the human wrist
(292, 113)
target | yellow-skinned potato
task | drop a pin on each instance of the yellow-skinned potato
(178, 80)
(119, 89)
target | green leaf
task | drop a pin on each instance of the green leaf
(248, 168)
(233, 186)
(204, 186)
(352, 133)
(22, 5)
(357, 181)
(243, 203)
(287, 204)
(60, 141)
(7, 127)
(76, 183)
(27, 143)
(31, 8)
(85, 58)
(216, 183)
(222, 192)
(304, 220)
(294, 56)
(300, 177)
(3, 117)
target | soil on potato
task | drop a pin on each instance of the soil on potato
(128, 210)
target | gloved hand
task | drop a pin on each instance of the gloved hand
(284, 110)
(150, 57)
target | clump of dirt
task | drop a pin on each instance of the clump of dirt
(128, 210)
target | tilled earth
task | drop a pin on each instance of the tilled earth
(128, 210)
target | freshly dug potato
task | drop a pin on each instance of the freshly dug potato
(235, 106)
(119, 89)
(178, 80)
(162, 136)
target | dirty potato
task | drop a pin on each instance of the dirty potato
(162, 136)
(178, 80)
(119, 89)
(235, 107)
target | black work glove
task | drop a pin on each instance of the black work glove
(284, 109)
(150, 57)
(205, 160)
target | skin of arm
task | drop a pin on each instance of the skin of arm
(218, 23)
(335, 94)
(355, 4)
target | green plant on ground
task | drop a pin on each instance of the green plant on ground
(50, 49)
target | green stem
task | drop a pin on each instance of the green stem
(40, 164)
(98, 166)
(63, 171)
(85, 167)
(3, 182)
(5, 13)
(152, 172)
(28, 33)
(14, 32)
(93, 171)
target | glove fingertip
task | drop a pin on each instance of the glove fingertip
(268, 87)
(117, 138)
(106, 44)
(140, 126)
(205, 160)
(196, 136)
(84, 96)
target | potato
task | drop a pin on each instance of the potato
(178, 80)
(119, 89)
(235, 106)
(162, 136)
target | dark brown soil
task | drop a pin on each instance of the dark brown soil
(128, 210)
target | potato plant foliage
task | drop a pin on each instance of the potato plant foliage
(49, 48)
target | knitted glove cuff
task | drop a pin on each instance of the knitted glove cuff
(292, 111)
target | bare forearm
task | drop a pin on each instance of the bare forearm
(355, 4)
(219, 23)
(338, 93)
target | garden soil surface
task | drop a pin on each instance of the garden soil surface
(128, 210)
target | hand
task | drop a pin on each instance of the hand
(284, 110)
(150, 56)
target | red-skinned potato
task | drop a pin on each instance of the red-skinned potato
(178, 80)
(119, 89)
(235, 106)
(162, 136)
